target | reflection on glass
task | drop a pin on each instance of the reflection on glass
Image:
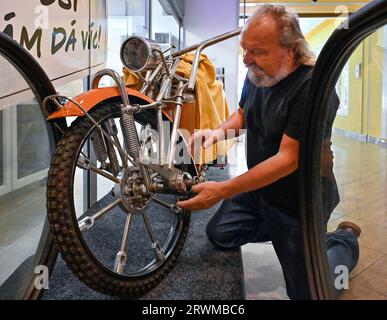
(1, 149)
(33, 150)
(125, 18)
(22, 204)
(360, 158)
(165, 29)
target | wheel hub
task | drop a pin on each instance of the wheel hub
(132, 191)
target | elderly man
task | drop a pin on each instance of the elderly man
(262, 204)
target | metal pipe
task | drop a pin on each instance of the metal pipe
(151, 78)
(160, 125)
(127, 121)
(121, 256)
(199, 48)
(164, 62)
(208, 42)
(87, 222)
(168, 80)
(117, 79)
(176, 122)
(160, 129)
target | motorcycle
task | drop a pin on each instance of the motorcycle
(119, 139)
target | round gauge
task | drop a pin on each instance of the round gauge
(137, 54)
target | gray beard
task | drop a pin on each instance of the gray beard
(265, 81)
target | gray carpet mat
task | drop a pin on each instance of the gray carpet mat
(202, 272)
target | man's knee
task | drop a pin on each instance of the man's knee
(219, 237)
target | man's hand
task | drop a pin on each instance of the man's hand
(208, 194)
(204, 138)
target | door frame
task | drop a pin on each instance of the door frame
(6, 152)
(329, 65)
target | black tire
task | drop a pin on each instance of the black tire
(64, 224)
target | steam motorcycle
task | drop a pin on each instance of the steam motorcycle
(118, 138)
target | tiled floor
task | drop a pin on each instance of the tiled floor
(262, 271)
(361, 174)
(22, 215)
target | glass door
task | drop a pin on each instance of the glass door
(343, 162)
(26, 144)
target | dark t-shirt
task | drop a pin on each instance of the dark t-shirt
(269, 113)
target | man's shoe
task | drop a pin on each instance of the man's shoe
(349, 226)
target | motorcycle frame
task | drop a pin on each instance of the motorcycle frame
(163, 75)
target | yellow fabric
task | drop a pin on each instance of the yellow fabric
(210, 108)
(132, 80)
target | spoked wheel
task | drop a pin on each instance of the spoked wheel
(111, 248)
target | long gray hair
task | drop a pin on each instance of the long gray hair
(290, 32)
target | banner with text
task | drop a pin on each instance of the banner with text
(65, 36)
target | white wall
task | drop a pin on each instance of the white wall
(205, 19)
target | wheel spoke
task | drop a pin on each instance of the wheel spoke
(174, 208)
(86, 164)
(87, 222)
(121, 152)
(121, 256)
(159, 254)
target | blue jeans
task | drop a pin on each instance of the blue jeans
(246, 218)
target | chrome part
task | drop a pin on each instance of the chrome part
(155, 244)
(140, 54)
(151, 79)
(163, 61)
(176, 180)
(176, 123)
(160, 128)
(174, 208)
(199, 48)
(112, 130)
(130, 135)
(87, 222)
(85, 163)
(167, 81)
(118, 81)
(132, 191)
(163, 170)
(179, 182)
(120, 261)
(154, 106)
(116, 143)
(99, 147)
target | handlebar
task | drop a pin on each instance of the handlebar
(199, 48)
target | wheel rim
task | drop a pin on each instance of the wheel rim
(142, 255)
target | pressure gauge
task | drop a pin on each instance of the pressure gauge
(139, 54)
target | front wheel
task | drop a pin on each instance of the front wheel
(110, 249)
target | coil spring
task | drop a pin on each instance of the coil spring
(99, 146)
(130, 135)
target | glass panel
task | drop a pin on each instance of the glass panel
(24, 149)
(165, 29)
(125, 18)
(33, 149)
(70, 90)
(1, 148)
(355, 190)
